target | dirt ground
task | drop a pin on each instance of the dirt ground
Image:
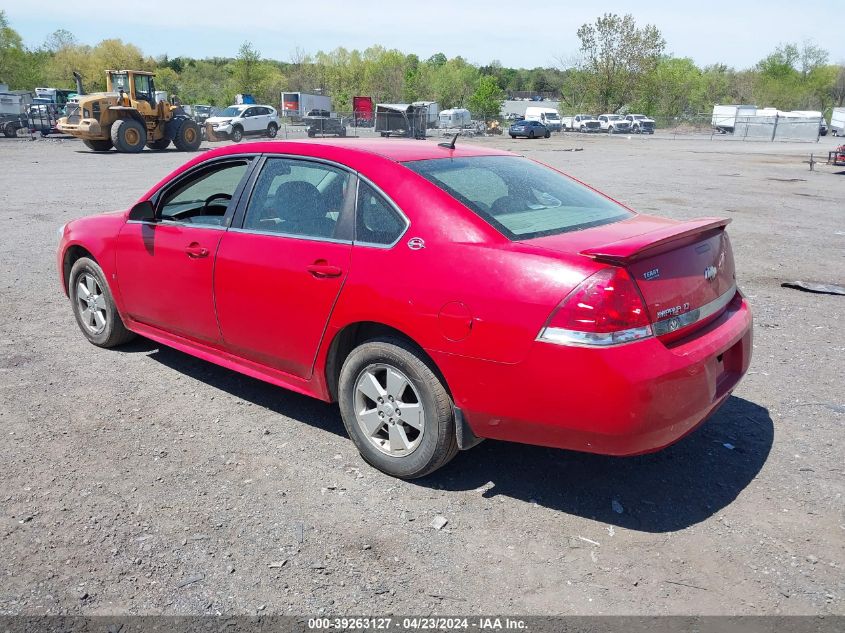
(144, 481)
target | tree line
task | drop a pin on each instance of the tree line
(620, 66)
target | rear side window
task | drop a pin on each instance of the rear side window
(520, 198)
(376, 222)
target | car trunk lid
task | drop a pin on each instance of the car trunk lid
(685, 271)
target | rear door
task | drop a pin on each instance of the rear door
(280, 269)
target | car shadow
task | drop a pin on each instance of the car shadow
(301, 408)
(666, 491)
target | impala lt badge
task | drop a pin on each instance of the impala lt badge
(710, 273)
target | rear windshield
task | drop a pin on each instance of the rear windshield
(520, 198)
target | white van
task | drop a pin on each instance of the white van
(547, 116)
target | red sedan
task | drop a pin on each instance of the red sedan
(440, 295)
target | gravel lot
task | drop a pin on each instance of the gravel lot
(143, 481)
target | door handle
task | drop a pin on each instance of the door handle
(195, 251)
(321, 269)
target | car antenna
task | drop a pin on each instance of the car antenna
(450, 144)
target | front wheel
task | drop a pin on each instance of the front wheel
(98, 145)
(93, 305)
(128, 135)
(272, 130)
(396, 410)
(513, 135)
(237, 135)
(531, 134)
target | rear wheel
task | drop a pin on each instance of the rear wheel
(160, 144)
(187, 137)
(10, 131)
(237, 134)
(93, 305)
(98, 145)
(396, 410)
(128, 135)
(272, 130)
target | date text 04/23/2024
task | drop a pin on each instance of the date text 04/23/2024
(427, 623)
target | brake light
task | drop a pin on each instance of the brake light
(606, 309)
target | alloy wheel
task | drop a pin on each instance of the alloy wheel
(91, 303)
(389, 410)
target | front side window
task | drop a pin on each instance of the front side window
(518, 197)
(298, 198)
(203, 198)
(376, 222)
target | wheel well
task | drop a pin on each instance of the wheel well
(354, 335)
(72, 254)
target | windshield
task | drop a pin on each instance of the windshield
(231, 111)
(614, 117)
(552, 115)
(518, 197)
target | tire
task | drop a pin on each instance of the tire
(98, 145)
(424, 451)
(128, 136)
(107, 329)
(311, 134)
(45, 133)
(10, 131)
(160, 144)
(188, 136)
(342, 132)
(513, 135)
(582, 129)
(272, 130)
(531, 134)
(547, 134)
(636, 129)
(237, 134)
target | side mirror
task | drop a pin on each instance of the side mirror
(142, 212)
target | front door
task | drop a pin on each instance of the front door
(279, 274)
(165, 267)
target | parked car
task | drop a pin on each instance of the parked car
(529, 129)
(238, 121)
(614, 124)
(640, 123)
(345, 272)
(324, 125)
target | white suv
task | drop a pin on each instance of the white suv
(640, 123)
(238, 121)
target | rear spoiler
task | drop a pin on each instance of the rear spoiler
(638, 246)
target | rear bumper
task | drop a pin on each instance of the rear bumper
(631, 399)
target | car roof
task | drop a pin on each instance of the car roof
(398, 150)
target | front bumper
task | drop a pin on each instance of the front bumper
(625, 400)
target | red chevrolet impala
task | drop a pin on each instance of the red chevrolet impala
(439, 294)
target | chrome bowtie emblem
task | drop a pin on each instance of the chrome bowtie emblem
(710, 273)
(416, 243)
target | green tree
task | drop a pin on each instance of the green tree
(487, 99)
(618, 55)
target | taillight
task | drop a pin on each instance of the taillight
(606, 309)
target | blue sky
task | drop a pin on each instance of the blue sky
(736, 33)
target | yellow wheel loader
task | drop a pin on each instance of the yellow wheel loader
(128, 117)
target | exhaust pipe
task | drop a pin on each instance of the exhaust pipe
(78, 78)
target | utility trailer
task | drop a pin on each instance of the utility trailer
(14, 109)
(725, 116)
(837, 122)
(401, 119)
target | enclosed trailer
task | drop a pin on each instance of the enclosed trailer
(724, 116)
(455, 117)
(837, 122)
(298, 104)
(362, 111)
(401, 119)
(432, 109)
